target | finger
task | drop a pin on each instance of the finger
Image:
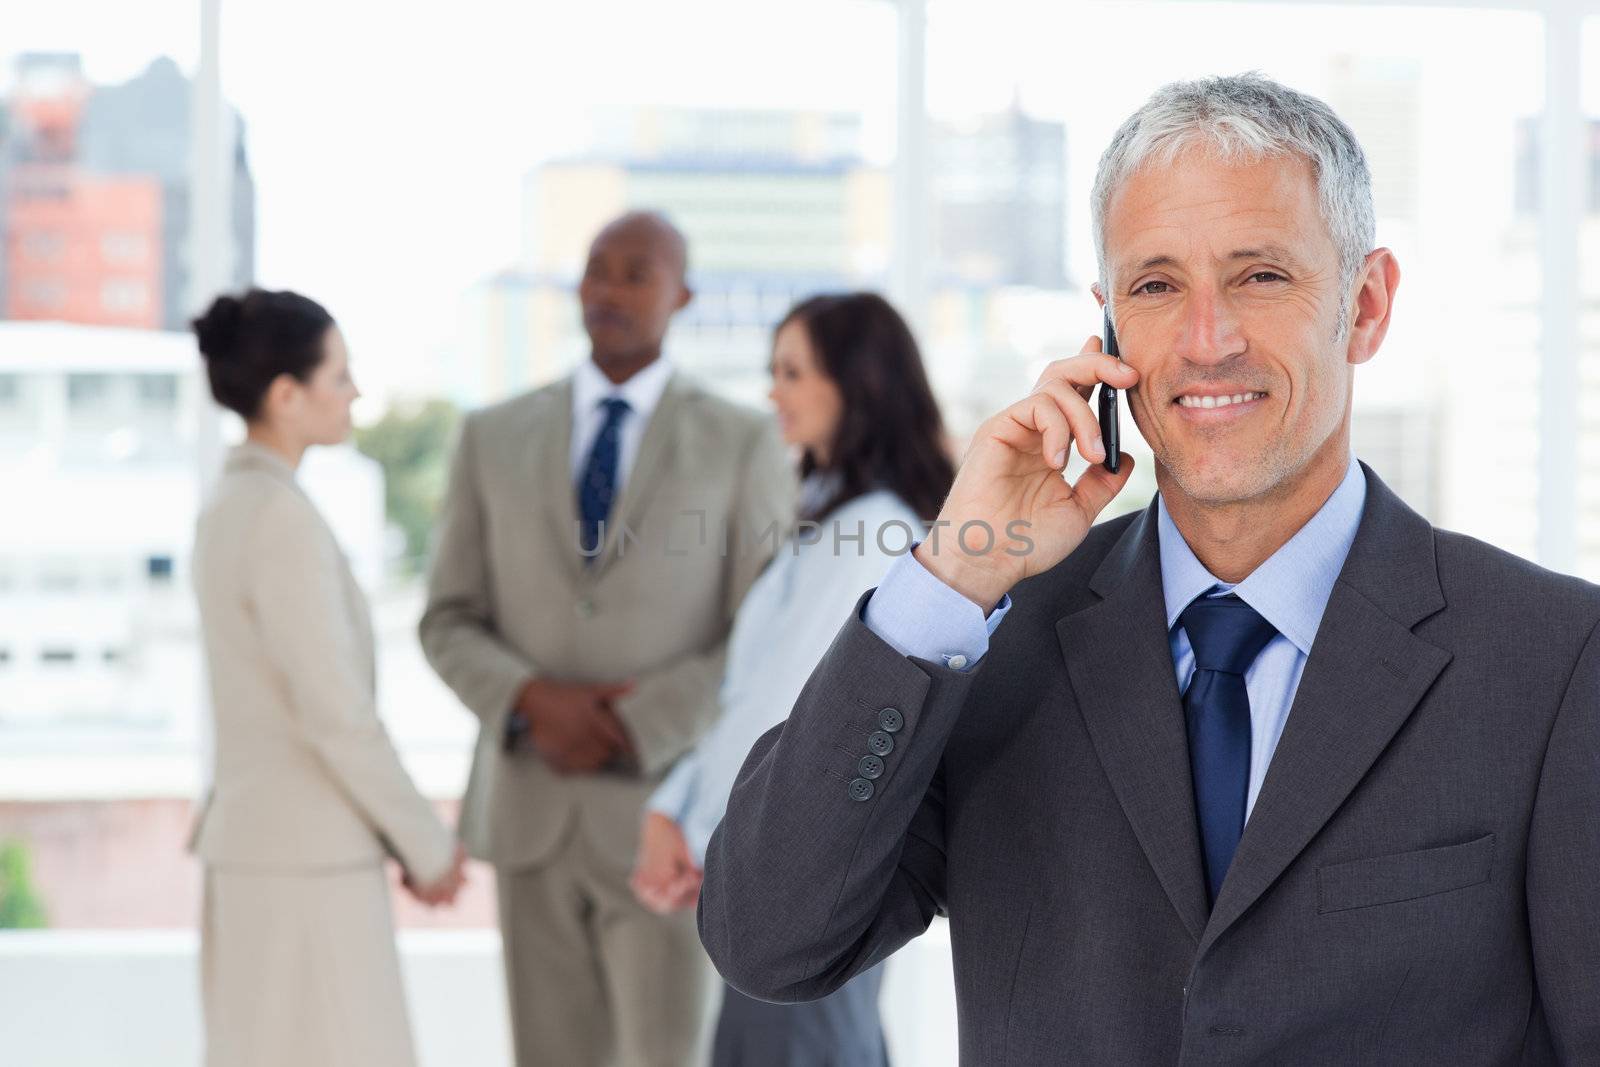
(1085, 427)
(1058, 415)
(655, 899)
(689, 891)
(678, 896)
(1091, 346)
(1035, 425)
(1096, 487)
(645, 884)
(603, 754)
(605, 726)
(1086, 370)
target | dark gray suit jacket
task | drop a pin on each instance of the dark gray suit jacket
(1417, 883)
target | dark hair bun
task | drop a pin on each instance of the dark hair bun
(252, 338)
(218, 329)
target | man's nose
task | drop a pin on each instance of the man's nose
(1210, 333)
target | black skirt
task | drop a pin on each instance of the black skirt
(840, 1030)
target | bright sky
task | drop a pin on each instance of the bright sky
(389, 142)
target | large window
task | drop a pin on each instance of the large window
(1448, 147)
(1587, 328)
(434, 178)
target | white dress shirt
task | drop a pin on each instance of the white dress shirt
(590, 388)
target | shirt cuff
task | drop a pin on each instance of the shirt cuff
(698, 838)
(673, 795)
(918, 615)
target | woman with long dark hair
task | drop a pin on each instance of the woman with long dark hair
(852, 396)
(296, 942)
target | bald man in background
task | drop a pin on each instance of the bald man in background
(579, 604)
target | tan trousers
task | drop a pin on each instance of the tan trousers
(595, 980)
(301, 970)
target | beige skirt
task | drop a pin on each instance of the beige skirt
(302, 970)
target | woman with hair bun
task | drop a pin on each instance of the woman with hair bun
(298, 955)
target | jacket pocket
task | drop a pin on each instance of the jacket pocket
(1403, 876)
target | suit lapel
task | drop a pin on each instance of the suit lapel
(1119, 661)
(1366, 673)
(550, 437)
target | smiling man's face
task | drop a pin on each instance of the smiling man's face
(1226, 286)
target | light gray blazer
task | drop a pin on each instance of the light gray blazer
(1416, 884)
(305, 776)
(510, 598)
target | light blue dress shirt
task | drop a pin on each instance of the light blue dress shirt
(918, 615)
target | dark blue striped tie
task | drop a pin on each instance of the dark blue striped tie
(1227, 634)
(597, 485)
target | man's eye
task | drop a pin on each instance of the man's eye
(1266, 276)
(1154, 288)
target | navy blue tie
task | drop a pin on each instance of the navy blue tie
(597, 485)
(1227, 634)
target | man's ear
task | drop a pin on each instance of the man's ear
(1099, 296)
(685, 295)
(1373, 305)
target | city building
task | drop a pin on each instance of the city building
(998, 188)
(94, 196)
(776, 206)
(97, 451)
(779, 206)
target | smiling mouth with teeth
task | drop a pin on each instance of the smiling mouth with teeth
(1218, 401)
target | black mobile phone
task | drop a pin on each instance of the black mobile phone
(1109, 429)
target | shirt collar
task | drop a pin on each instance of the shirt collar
(642, 392)
(1291, 589)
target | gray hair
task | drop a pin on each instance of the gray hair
(1248, 117)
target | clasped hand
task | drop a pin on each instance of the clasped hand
(665, 875)
(574, 726)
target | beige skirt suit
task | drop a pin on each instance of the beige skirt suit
(298, 959)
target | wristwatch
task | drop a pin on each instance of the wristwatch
(516, 729)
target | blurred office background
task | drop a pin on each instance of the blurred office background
(434, 173)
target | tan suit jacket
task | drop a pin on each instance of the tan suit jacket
(305, 776)
(511, 598)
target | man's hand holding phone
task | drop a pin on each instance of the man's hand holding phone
(1011, 513)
